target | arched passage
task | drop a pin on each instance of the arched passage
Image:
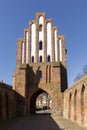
(43, 101)
(75, 105)
(33, 99)
(69, 111)
(82, 103)
(0, 107)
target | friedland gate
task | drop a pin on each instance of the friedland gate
(41, 70)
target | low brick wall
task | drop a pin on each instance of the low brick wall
(75, 102)
(10, 102)
(7, 102)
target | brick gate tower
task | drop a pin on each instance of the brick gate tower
(41, 64)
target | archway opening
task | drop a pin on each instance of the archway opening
(40, 102)
(75, 105)
(43, 103)
(69, 111)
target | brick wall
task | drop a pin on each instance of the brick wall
(7, 106)
(75, 102)
(10, 102)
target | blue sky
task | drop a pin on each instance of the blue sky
(70, 16)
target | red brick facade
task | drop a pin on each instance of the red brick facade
(41, 67)
(41, 70)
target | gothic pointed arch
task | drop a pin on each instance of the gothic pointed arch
(69, 108)
(34, 98)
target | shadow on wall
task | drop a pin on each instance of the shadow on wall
(64, 84)
(20, 103)
(32, 78)
(11, 103)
